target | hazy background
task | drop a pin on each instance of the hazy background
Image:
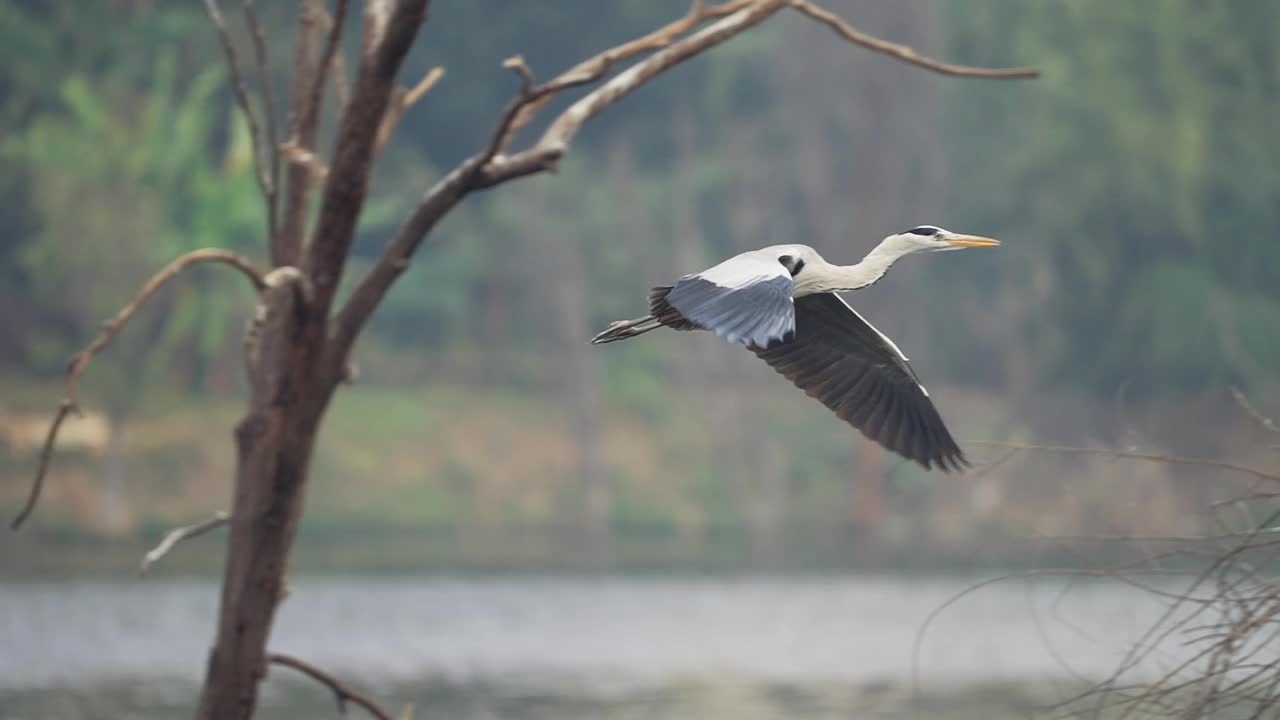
(1136, 187)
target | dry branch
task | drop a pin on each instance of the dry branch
(904, 52)
(272, 189)
(343, 693)
(331, 62)
(490, 167)
(554, 143)
(304, 113)
(595, 67)
(1225, 621)
(109, 331)
(401, 101)
(1132, 455)
(242, 99)
(177, 535)
(1263, 421)
(390, 31)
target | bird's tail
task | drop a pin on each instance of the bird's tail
(623, 329)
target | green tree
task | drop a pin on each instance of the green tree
(1143, 169)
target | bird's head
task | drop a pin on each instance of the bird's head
(930, 238)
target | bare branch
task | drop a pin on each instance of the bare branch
(328, 56)
(269, 110)
(554, 143)
(1131, 455)
(516, 64)
(331, 62)
(338, 69)
(65, 408)
(1265, 422)
(177, 535)
(904, 52)
(401, 101)
(242, 99)
(109, 331)
(595, 67)
(389, 33)
(491, 167)
(304, 113)
(341, 692)
(424, 85)
(488, 168)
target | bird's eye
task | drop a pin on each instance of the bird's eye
(792, 264)
(924, 230)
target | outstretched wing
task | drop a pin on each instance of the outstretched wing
(745, 299)
(842, 360)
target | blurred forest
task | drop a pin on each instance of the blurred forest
(1136, 187)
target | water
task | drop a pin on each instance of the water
(562, 647)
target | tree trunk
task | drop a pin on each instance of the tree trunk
(291, 389)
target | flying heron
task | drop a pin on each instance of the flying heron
(781, 303)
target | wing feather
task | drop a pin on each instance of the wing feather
(746, 299)
(836, 356)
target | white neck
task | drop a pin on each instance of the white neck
(838, 278)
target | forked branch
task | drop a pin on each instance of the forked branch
(109, 331)
(478, 171)
(341, 692)
(490, 167)
(594, 68)
(390, 30)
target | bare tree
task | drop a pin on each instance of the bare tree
(298, 347)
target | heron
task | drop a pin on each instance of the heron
(781, 302)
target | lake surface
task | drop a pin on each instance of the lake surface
(526, 647)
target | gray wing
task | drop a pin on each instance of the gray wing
(842, 360)
(746, 299)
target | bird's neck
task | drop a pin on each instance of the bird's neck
(852, 277)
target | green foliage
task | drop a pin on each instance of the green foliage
(1143, 166)
(122, 183)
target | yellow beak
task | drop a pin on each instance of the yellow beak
(970, 241)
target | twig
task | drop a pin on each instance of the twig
(341, 88)
(340, 691)
(177, 535)
(109, 331)
(66, 407)
(327, 57)
(1131, 455)
(1266, 422)
(595, 67)
(904, 52)
(269, 110)
(427, 82)
(401, 101)
(242, 99)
